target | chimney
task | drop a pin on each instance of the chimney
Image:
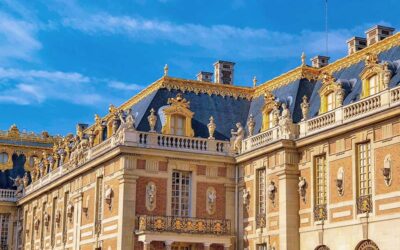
(204, 76)
(319, 61)
(378, 33)
(223, 72)
(355, 44)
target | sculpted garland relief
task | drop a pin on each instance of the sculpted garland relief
(151, 192)
(211, 200)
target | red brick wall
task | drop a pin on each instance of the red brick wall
(161, 196)
(201, 206)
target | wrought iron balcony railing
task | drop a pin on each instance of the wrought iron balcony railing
(189, 225)
(364, 204)
(320, 212)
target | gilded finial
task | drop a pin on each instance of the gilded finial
(254, 81)
(303, 59)
(166, 70)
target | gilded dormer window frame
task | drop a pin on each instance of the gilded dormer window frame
(330, 86)
(269, 104)
(373, 68)
(178, 106)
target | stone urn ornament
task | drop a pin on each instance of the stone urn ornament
(211, 128)
(152, 119)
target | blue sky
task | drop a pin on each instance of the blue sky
(63, 61)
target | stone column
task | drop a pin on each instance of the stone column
(288, 209)
(168, 245)
(126, 206)
(146, 245)
(207, 246)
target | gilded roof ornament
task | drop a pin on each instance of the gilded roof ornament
(179, 101)
(166, 70)
(303, 59)
(254, 81)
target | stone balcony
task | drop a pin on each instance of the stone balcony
(8, 195)
(365, 107)
(138, 139)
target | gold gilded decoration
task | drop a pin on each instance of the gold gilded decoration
(330, 86)
(179, 107)
(375, 77)
(152, 119)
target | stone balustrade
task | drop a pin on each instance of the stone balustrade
(342, 115)
(8, 195)
(136, 139)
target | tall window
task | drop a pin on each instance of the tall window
(373, 85)
(320, 180)
(364, 169)
(4, 223)
(181, 183)
(53, 221)
(178, 125)
(261, 191)
(65, 228)
(330, 101)
(99, 203)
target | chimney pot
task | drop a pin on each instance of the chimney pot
(223, 72)
(355, 44)
(378, 33)
(204, 76)
(320, 61)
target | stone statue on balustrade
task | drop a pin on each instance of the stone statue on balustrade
(25, 180)
(129, 122)
(19, 183)
(251, 123)
(387, 75)
(305, 107)
(285, 122)
(275, 115)
(237, 138)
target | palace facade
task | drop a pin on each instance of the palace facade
(307, 160)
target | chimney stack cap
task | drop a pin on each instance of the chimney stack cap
(204, 76)
(380, 27)
(223, 72)
(319, 61)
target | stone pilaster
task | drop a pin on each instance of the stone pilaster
(126, 209)
(289, 237)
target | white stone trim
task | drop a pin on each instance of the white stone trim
(388, 206)
(341, 214)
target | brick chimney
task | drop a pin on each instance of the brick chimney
(319, 61)
(223, 72)
(378, 33)
(355, 44)
(204, 76)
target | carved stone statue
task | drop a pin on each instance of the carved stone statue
(70, 210)
(387, 75)
(251, 123)
(275, 115)
(108, 195)
(211, 200)
(272, 192)
(166, 70)
(237, 137)
(305, 107)
(128, 122)
(339, 97)
(246, 197)
(285, 122)
(152, 119)
(25, 180)
(302, 188)
(19, 183)
(211, 128)
(151, 196)
(303, 59)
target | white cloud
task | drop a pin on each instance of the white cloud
(124, 86)
(244, 42)
(17, 39)
(25, 87)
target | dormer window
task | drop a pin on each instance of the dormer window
(331, 94)
(178, 117)
(269, 110)
(375, 76)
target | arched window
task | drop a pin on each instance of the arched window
(375, 76)
(322, 247)
(268, 110)
(331, 93)
(178, 125)
(3, 157)
(178, 117)
(367, 245)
